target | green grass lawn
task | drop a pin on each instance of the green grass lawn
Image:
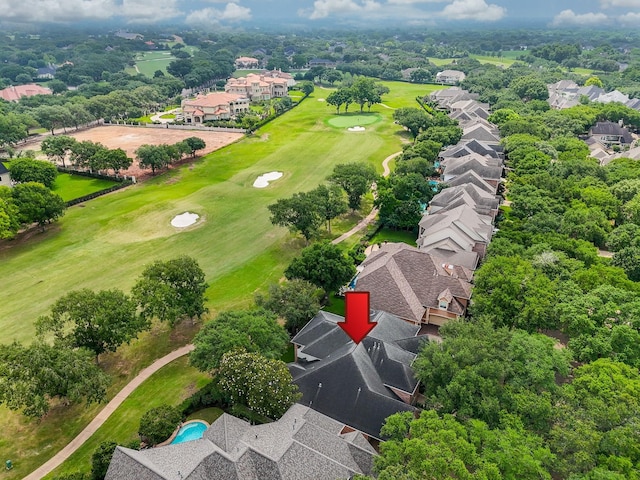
(244, 73)
(107, 242)
(170, 385)
(388, 235)
(352, 119)
(209, 415)
(75, 186)
(149, 62)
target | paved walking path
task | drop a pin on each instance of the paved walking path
(106, 412)
(369, 218)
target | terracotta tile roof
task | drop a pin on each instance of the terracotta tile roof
(214, 99)
(14, 93)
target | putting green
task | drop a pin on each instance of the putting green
(349, 120)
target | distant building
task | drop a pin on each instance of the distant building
(261, 87)
(214, 106)
(15, 93)
(609, 134)
(450, 77)
(128, 35)
(322, 62)
(47, 72)
(247, 62)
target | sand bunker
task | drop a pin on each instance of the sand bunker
(185, 219)
(357, 128)
(321, 100)
(263, 180)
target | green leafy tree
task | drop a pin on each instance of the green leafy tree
(30, 170)
(82, 153)
(330, 202)
(339, 97)
(252, 330)
(413, 119)
(157, 424)
(195, 144)
(155, 157)
(9, 223)
(13, 129)
(171, 290)
(30, 377)
(628, 258)
(307, 88)
(324, 265)
(355, 179)
(262, 384)
(530, 87)
(52, 117)
(113, 159)
(99, 322)
(56, 147)
(100, 460)
(296, 301)
(37, 204)
(480, 372)
(299, 213)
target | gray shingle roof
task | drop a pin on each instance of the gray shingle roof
(472, 177)
(301, 445)
(489, 169)
(3, 169)
(470, 147)
(480, 200)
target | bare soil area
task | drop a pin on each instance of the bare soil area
(130, 138)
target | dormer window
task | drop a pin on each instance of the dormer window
(443, 304)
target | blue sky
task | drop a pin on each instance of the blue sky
(213, 13)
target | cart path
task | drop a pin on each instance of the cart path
(369, 218)
(105, 413)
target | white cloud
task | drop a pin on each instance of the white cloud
(629, 19)
(140, 11)
(56, 11)
(232, 13)
(411, 2)
(620, 3)
(473, 10)
(569, 17)
(326, 8)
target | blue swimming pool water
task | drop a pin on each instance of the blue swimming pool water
(191, 431)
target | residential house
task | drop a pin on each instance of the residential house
(302, 444)
(280, 74)
(359, 385)
(5, 176)
(488, 168)
(609, 134)
(258, 87)
(632, 153)
(247, 62)
(482, 201)
(416, 286)
(469, 147)
(472, 178)
(473, 106)
(46, 73)
(15, 93)
(614, 96)
(214, 106)
(450, 95)
(450, 77)
(481, 131)
(458, 229)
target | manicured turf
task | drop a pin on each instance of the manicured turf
(388, 235)
(107, 243)
(171, 385)
(209, 415)
(149, 62)
(353, 119)
(75, 186)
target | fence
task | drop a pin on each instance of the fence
(172, 126)
(75, 201)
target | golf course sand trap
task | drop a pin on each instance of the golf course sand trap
(357, 128)
(185, 219)
(263, 180)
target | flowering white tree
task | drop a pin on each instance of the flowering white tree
(262, 384)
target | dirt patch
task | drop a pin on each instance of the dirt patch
(130, 138)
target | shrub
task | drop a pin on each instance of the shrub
(100, 460)
(208, 396)
(157, 424)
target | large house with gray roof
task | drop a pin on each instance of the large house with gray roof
(362, 384)
(303, 444)
(469, 194)
(469, 147)
(487, 168)
(414, 285)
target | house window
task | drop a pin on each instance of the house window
(443, 304)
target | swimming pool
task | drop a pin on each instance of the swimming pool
(190, 431)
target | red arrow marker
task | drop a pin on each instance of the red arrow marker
(356, 320)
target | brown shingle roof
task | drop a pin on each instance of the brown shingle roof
(404, 281)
